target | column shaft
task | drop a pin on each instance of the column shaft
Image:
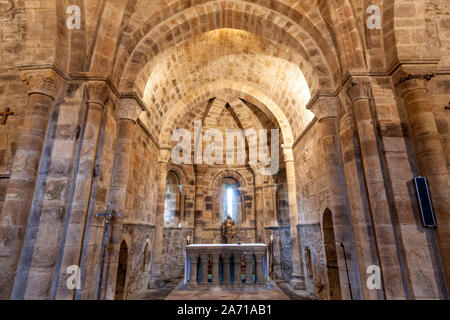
(156, 277)
(377, 193)
(430, 156)
(298, 277)
(43, 86)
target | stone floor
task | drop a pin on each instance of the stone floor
(279, 290)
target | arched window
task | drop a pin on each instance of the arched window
(171, 202)
(230, 199)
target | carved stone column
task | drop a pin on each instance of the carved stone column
(359, 93)
(325, 110)
(259, 207)
(259, 268)
(430, 155)
(129, 113)
(237, 269)
(200, 171)
(156, 277)
(298, 277)
(226, 258)
(249, 261)
(204, 267)
(193, 258)
(215, 259)
(43, 88)
(97, 95)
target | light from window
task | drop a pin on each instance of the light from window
(230, 199)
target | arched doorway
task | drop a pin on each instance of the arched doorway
(122, 272)
(331, 256)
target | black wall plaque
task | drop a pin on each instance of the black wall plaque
(426, 207)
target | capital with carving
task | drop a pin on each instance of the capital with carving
(129, 109)
(98, 92)
(359, 90)
(411, 77)
(325, 107)
(288, 153)
(413, 83)
(164, 154)
(46, 82)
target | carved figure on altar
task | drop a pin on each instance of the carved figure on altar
(229, 231)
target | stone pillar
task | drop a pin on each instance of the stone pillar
(237, 259)
(199, 202)
(249, 260)
(129, 113)
(430, 156)
(97, 94)
(215, 259)
(325, 110)
(298, 277)
(204, 267)
(43, 88)
(259, 207)
(156, 277)
(359, 93)
(193, 258)
(226, 258)
(259, 268)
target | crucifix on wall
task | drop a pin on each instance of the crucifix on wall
(4, 115)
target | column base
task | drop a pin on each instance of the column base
(297, 282)
(156, 283)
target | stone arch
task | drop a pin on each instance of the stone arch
(180, 172)
(229, 174)
(232, 90)
(122, 272)
(166, 29)
(237, 182)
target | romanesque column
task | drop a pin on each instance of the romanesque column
(359, 93)
(129, 113)
(193, 258)
(215, 259)
(259, 207)
(249, 261)
(237, 260)
(200, 171)
(43, 88)
(259, 267)
(430, 156)
(204, 257)
(298, 277)
(226, 258)
(325, 109)
(156, 277)
(97, 94)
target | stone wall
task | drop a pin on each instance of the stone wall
(174, 254)
(139, 227)
(13, 92)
